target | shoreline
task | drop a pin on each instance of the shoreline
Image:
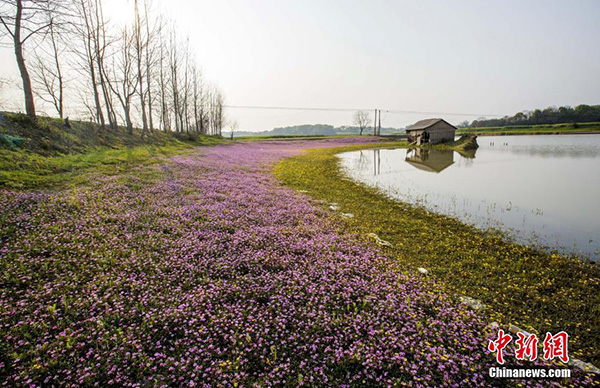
(207, 250)
(484, 134)
(468, 261)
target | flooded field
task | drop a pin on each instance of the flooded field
(541, 190)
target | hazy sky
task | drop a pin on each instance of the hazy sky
(476, 57)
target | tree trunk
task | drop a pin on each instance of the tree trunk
(149, 86)
(61, 103)
(127, 112)
(27, 90)
(89, 52)
(99, 112)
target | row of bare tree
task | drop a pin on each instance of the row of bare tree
(138, 74)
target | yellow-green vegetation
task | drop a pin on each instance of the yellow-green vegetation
(466, 145)
(28, 170)
(544, 129)
(50, 154)
(535, 290)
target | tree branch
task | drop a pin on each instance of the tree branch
(6, 26)
(36, 31)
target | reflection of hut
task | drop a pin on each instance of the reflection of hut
(430, 160)
(431, 131)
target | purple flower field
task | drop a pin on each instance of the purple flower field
(215, 275)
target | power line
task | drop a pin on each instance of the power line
(393, 111)
(444, 113)
(292, 108)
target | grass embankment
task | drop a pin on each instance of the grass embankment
(555, 129)
(52, 154)
(521, 285)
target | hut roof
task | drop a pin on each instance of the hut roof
(430, 160)
(436, 167)
(424, 124)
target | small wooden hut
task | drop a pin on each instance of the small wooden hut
(432, 131)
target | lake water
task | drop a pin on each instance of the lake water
(542, 190)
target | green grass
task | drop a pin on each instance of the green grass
(26, 170)
(565, 128)
(53, 155)
(535, 290)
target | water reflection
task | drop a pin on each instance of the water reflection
(429, 160)
(363, 161)
(540, 189)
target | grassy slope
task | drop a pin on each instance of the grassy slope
(521, 285)
(55, 155)
(566, 128)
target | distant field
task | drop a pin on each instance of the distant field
(303, 137)
(534, 129)
(278, 137)
(308, 137)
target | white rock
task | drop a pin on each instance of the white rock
(334, 208)
(516, 329)
(473, 303)
(379, 241)
(347, 215)
(423, 271)
(583, 366)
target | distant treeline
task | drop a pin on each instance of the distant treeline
(316, 129)
(552, 115)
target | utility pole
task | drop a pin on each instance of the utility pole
(379, 128)
(375, 124)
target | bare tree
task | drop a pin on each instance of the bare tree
(185, 92)
(124, 83)
(174, 67)
(147, 72)
(140, 44)
(217, 112)
(199, 101)
(102, 42)
(362, 119)
(48, 76)
(233, 126)
(92, 28)
(22, 20)
(163, 86)
(153, 31)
